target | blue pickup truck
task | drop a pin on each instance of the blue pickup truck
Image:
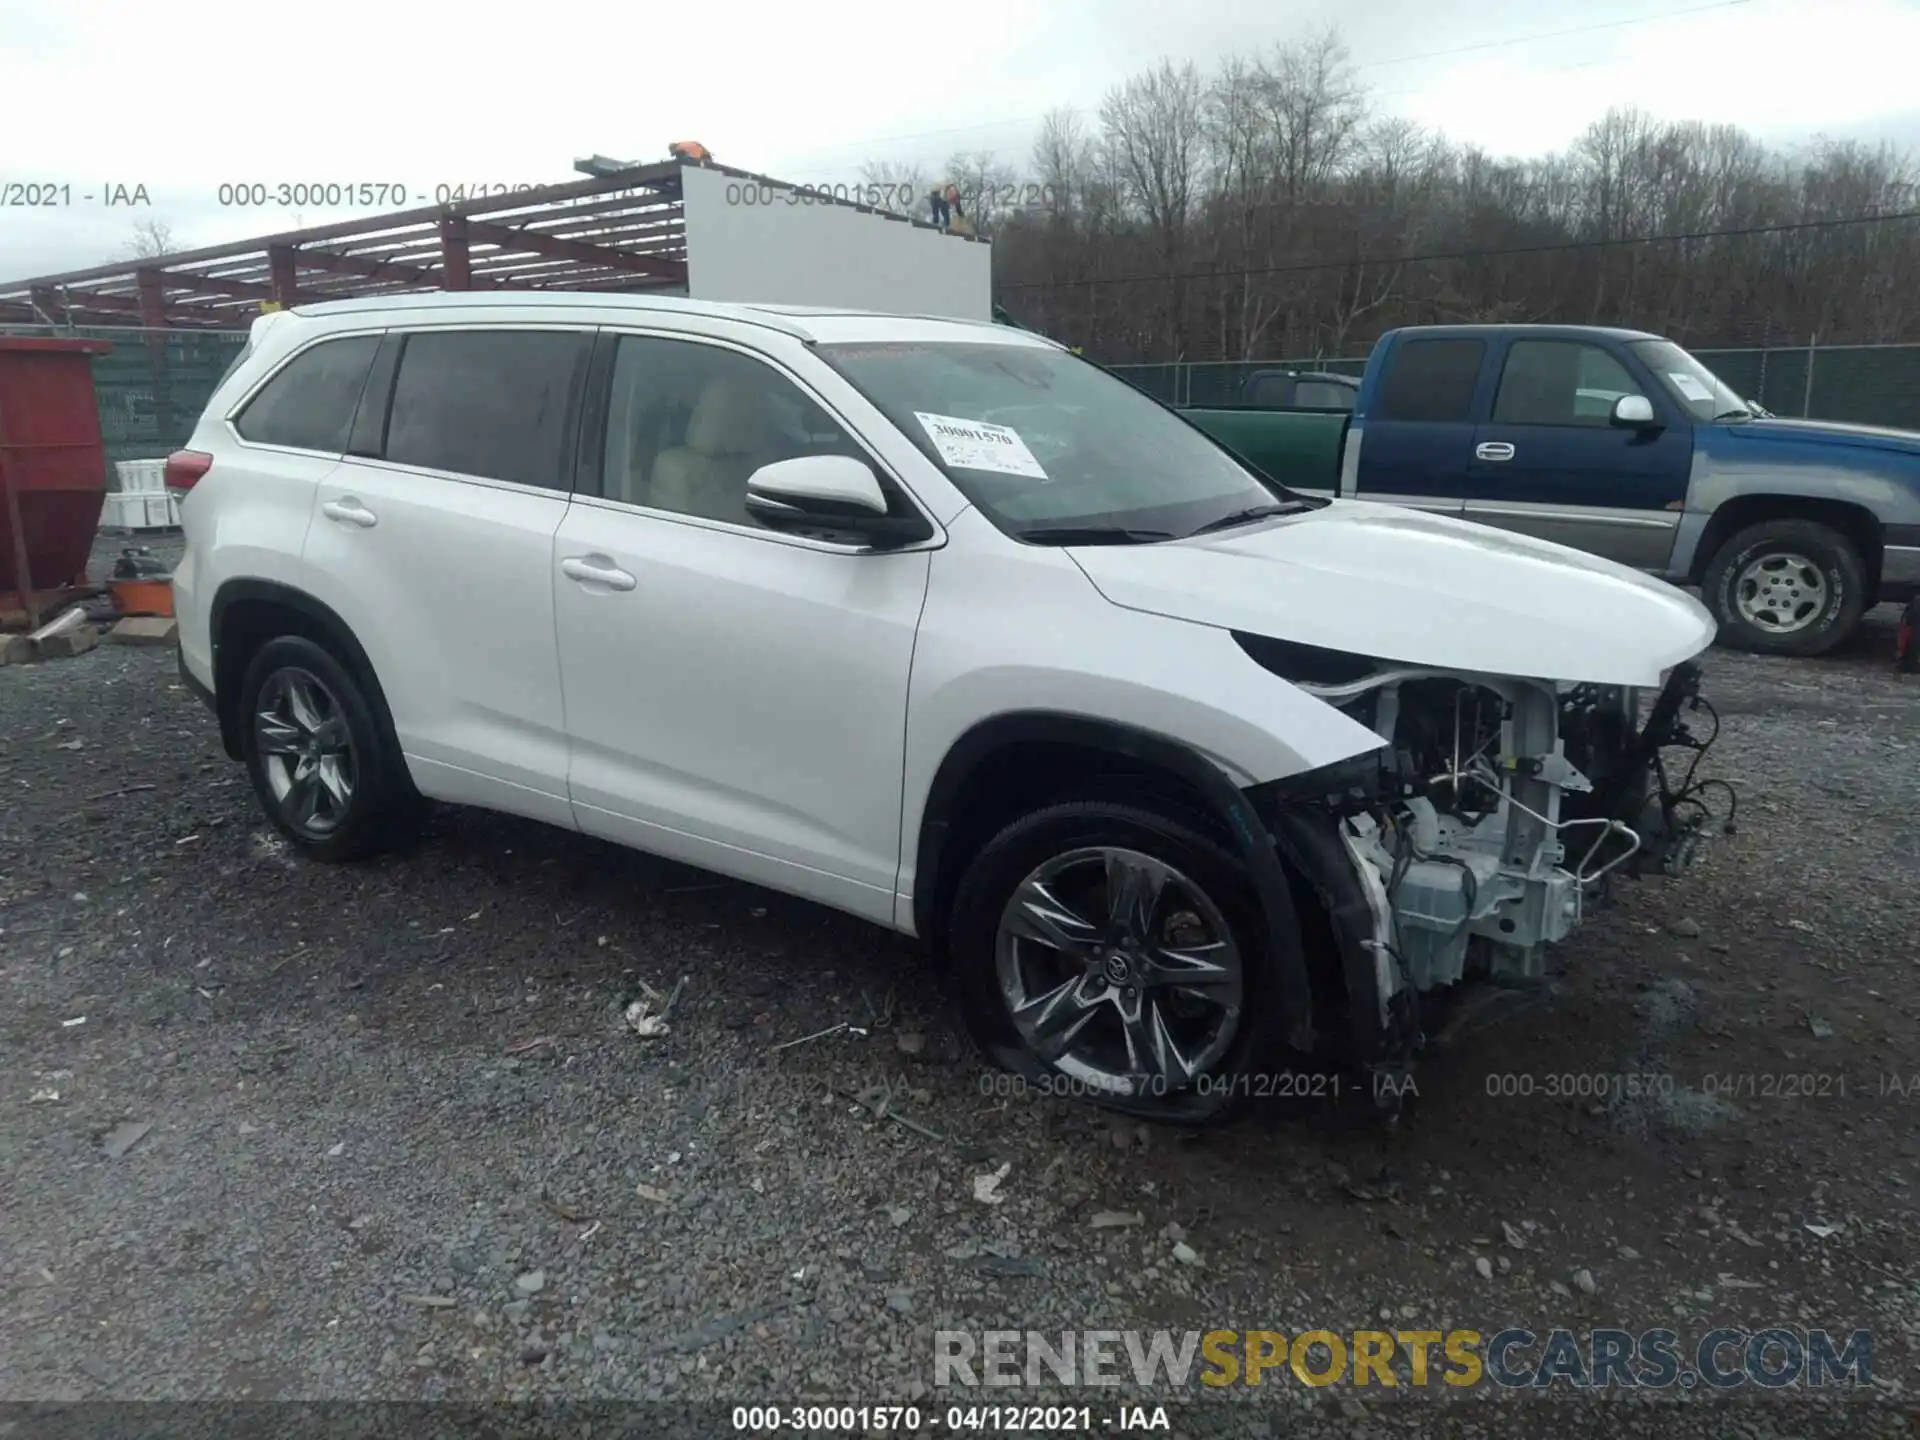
(1621, 444)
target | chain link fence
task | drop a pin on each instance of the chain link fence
(153, 384)
(1859, 384)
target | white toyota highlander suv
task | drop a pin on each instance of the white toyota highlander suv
(1178, 773)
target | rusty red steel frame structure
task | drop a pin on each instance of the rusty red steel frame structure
(625, 230)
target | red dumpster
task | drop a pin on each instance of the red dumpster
(53, 468)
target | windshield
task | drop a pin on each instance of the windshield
(1051, 447)
(1705, 394)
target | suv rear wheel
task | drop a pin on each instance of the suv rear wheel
(327, 778)
(1110, 952)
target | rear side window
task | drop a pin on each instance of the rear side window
(309, 404)
(1269, 391)
(1431, 380)
(491, 403)
(1323, 395)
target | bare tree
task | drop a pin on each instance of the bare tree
(151, 239)
(897, 186)
(1260, 210)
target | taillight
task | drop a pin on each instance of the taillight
(184, 467)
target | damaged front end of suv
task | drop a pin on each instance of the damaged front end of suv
(1495, 812)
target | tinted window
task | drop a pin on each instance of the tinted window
(688, 423)
(1323, 395)
(1431, 380)
(1559, 382)
(1268, 390)
(309, 404)
(492, 403)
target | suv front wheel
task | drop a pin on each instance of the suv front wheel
(1112, 953)
(327, 778)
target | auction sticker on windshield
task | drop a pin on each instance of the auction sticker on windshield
(1688, 386)
(976, 445)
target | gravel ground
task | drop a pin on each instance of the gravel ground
(396, 1141)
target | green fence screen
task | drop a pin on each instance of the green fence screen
(153, 384)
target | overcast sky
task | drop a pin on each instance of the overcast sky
(181, 97)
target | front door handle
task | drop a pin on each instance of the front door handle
(596, 570)
(1493, 450)
(349, 511)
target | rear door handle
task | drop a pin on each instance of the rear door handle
(350, 512)
(1493, 450)
(596, 570)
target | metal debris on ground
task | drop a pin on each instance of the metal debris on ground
(538, 1042)
(123, 1137)
(1116, 1219)
(644, 1023)
(877, 1100)
(986, 1188)
(804, 1039)
(76, 1020)
(650, 1192)
(1820, 1028)
(1822, 1232)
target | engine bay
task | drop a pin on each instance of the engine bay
(1497, 809)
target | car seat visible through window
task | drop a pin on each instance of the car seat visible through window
(725, 442)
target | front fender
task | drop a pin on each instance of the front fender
(1019, 629)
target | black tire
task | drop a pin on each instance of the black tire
(380, 804)
(1841, 590)
(1019, 851)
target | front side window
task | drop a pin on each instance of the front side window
(1560, 382)
(1431, 381)
(688, 423)
(1052, 448)
(309, 404)
(489, 403)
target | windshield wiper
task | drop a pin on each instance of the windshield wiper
(1093, 535)
(1733, 415)
(1252, 513)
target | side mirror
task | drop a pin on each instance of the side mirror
(828, 492)
(1633, 412)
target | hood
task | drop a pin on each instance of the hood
(1420, 589)
(1824, 432)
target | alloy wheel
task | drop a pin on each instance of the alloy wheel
(1780, 593)
(1120, 971)
(306, 750)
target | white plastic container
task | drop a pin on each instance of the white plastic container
(141, 477)
(137, 512)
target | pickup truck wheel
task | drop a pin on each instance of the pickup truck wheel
(325, 776)
(1786, 587)
(1109, 952)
